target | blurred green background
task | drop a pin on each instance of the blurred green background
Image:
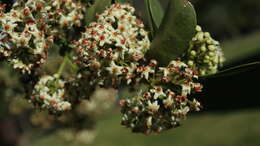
(240, 128)
(231, 115)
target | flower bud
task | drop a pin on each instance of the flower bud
(190, 63)
(193, 53)
(198, 28)
(203, 48)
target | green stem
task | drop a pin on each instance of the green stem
(63, 64)
(67, 61)
(73, 66)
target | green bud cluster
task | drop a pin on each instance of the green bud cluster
(205, 54)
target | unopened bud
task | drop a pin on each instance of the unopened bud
(211, 54)
(193, 53)
(190, 63)
(200, 36)
(212, 47)
(198, 28)
(203, 48)
(207, 35)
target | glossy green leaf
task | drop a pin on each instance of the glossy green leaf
(149, 18)
(242, 47)
(175, 32)
(124, 1)
(156, 11)
(98, 7)
(155, 15)
(234, 70)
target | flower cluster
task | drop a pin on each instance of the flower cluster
(67, 13)
(55, 13)
(113, 45)
(49, 93)
(205, 54)
(28, 30)
(162, 106)
(110, 53)
(102, 100)
(22, 41)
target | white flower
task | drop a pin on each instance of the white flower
(125, 117)
(177, 64)
(197, 105)
(18, 64)
(168, 102)
(184, 110)
(171, 94)
(158, 92)
(165, 71)
(149, 121)
(9, 26)
(173, 118)
(153, 107)
(114, 69)
(186, 89)
(145, 71)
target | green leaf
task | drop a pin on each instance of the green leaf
(149, 18)
(175, 32)
(155, 15)
(98, 7)
(124, 1)
(156, 11)
(234, 70)
(242, 47)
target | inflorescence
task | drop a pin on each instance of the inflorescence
(49, 94)
(165, 102)
(112, 50)
(112, 47)
(205, 54)
(110, 53)
(29, 29)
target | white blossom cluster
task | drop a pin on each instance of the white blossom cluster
(162, 106)
(205, 54)
(28, 30)
(101, 101)
(49, 94)
(21, 40)
(110, 53)
(56, 13)
(113, 45)
(178, 73)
